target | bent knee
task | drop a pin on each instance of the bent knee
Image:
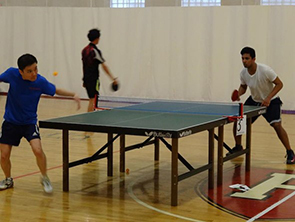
(5, 153)
(4, 157)
(38, 151)
(277, 125)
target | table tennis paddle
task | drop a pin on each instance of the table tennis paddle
(115, 86)
(235, 95)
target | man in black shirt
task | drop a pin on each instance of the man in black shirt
(92, 58)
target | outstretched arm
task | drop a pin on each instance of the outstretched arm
(63, 92)
(107, 70)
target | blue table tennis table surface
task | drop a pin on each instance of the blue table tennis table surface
(161, 118)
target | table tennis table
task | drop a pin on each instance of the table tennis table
(157, 121)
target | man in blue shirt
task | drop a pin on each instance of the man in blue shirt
(20, 117)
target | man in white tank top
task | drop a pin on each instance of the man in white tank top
(264, 85)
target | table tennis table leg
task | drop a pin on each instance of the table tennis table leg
(122, 153)
(211, 158)
(174, 172)
(110, 155)
(220, 155)
(65, 159)
(248, 144)
(157, 149)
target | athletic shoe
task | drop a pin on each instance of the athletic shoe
(6, 184)
(290, 157)
(235, 149)
(46, 184)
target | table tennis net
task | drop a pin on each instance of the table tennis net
(187, 108)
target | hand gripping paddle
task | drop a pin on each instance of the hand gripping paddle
(114, 86)
(235, 95)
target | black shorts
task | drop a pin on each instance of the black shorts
(273, 111)
(92, 88)
(11, 134)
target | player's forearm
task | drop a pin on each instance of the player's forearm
(63, 92)
(242, 90)
(278, 86)
(108, 72)
(275, 90)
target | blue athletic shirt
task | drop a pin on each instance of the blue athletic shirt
(23, 96)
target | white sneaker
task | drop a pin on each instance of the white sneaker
(6, 184)
(46, 184)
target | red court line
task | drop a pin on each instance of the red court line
(51, 168)
(33, 173)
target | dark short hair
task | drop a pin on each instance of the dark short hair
(26, 60)
(248, 50)
(93, 34)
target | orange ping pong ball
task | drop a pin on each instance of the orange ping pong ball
(127, 171)
(55, 73)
